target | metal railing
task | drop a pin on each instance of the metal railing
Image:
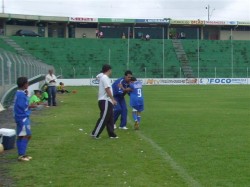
(155, 72)
(13, 66)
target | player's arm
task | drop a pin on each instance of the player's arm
(109, 93)
(125, 90)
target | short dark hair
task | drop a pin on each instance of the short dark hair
(37, 91)
(133, 79)
(106, 67)
(21, 81)
(128, 72)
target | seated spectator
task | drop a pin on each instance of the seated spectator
(183, 35)
(97, 33)
(139, 34)
(142, 37)
(61, 88)
(45, 96)
(123, 36)
(35, 101)
(101, 35)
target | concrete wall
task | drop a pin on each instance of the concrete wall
(237, 35)
(90, 32)
(11, 29)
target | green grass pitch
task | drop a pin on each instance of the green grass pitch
(189, 136)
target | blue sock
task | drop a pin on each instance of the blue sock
(24, 145)
(19, 146)
(139, 119)
(134, 116)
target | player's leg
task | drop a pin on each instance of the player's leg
(49, 95)
(110, 121)
(23, 137)
(53, 95)
(124, 114)
(139, 109)
(134, 114)
(100, 124)
(117, 110)
(139, 117)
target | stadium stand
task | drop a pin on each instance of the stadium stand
(216, 57)
(82, 58)
(86, 56)
(4, 46)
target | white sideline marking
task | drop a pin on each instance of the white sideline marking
(180, 171)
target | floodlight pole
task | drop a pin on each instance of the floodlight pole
(198, 52)
(247, 76)
(208, 12)
(109, 55)
(128, 49)
(3, 6)
(163, 49)
(232, 52)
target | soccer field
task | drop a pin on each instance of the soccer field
(189, 136)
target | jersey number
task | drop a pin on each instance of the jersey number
(139, 92)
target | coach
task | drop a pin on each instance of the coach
(50, 79)
(120, 90)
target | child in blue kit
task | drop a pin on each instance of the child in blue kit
(21, 115)
(136, 100)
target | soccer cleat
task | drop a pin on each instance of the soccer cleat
(113, 137)
(23, 158)
(95, 137)
(123, 128)
(29, 157)
(136, 126)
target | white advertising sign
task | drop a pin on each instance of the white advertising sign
(224, 81)
(151, 81)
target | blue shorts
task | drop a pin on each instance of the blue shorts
(139, 108)
(23, 127)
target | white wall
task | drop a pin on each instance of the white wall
(237, 35)
(90, 32)
(11, 29)
(179, 81)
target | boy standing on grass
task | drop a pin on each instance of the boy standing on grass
(21, 115)
(136, 100)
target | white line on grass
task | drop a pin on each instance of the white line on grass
(175, 166)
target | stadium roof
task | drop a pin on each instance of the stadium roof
(123, 20)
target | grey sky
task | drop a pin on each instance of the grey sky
(221, 10)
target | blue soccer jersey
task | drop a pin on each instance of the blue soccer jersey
(22, 113)
(118, 92)
(21, 106)
(136, 96)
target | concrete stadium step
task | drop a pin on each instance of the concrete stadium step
(181, 55)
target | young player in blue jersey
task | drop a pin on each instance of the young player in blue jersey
(136, 100)
(120, 89)
(21, 115)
